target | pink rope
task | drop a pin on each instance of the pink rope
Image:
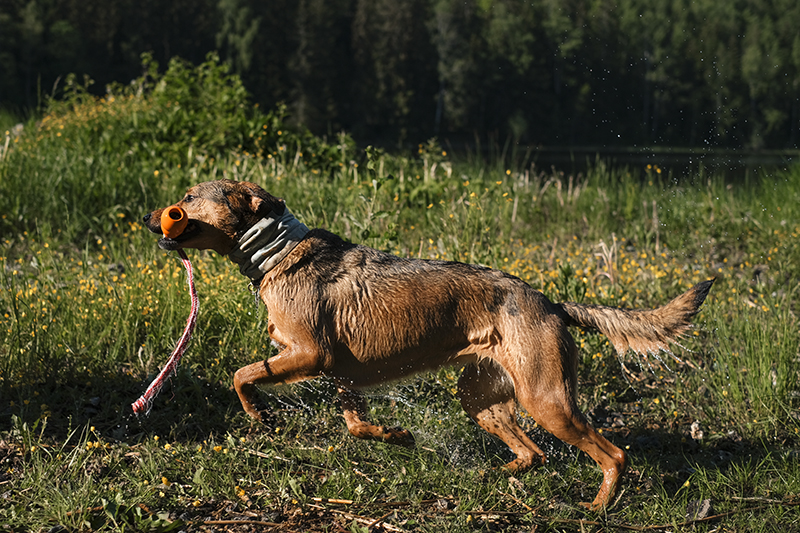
(145, 401)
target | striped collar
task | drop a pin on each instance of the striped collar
(263, 246)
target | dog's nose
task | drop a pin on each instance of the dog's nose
(147, 217)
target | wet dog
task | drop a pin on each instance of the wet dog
(362, 317)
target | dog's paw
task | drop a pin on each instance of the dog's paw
(520, 464)
(399, 436)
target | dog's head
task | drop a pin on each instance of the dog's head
(219, 212)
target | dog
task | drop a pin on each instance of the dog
(362, 317)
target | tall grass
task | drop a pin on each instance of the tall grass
(90, 308)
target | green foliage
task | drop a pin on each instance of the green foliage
(90, 159)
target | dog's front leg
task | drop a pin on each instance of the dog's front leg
(354, 406)
(294, 363)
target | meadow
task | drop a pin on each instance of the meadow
(90, 308)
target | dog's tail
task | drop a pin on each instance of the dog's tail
(643, 331)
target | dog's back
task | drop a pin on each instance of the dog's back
(389, 317)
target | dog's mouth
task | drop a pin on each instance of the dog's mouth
(169, 244)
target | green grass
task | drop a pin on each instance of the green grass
(90, 308)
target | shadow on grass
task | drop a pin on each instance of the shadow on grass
(188, 407)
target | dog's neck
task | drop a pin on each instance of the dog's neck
(263, 246)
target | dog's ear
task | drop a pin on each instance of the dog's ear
(262, 203)
(262, 206)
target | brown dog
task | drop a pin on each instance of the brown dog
(362, 317)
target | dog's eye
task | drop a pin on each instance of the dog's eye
(188, 198)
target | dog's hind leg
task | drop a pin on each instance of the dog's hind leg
(551, 402)
(487, 395)
(354, 405)
(569, 425)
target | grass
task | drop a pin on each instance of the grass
(90, 308)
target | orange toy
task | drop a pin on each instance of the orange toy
(173, 221)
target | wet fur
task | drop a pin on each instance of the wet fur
(362, 317)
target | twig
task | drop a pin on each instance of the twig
(497, 513)
(333, 500)
(379, 520)
(234, 523)
(367, 521)
(525, 505)
(758, 499)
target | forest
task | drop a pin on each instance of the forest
(698, 73)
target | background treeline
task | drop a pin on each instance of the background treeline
(552, 72)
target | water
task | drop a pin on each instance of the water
(675, 162)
